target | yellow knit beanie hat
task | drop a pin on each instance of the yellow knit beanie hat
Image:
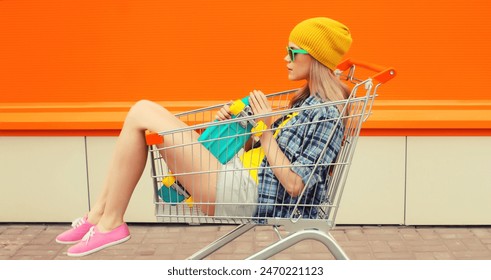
(325, 39)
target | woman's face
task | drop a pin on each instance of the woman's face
(299, 69)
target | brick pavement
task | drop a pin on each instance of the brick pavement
(159, 241)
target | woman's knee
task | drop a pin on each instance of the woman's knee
(142, 106)
(147, 114)
(145, 107)
(138, 111)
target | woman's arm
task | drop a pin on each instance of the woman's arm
(291, 181)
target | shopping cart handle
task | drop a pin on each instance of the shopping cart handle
(384, 73)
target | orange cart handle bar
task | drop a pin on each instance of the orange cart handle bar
(384, 74)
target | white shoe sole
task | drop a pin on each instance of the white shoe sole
(67, 242)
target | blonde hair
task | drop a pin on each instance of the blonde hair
(324, 83)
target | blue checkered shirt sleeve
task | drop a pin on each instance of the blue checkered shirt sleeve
(302, 140)
(316, 139)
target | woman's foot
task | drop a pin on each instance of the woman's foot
(95, 240)
(79, 228)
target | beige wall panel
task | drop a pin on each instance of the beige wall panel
(43, 179)
(449, 181)
(99, 153)
(374, 191)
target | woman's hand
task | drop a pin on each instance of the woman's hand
(260, 105)
(224, 113)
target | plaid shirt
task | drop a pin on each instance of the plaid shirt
(302, 140)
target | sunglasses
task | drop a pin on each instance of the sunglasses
(293, 52)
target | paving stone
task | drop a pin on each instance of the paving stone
(177, 242)
(432, 236)
(361, 256)
(308, 246)
(455, 245)
(265, 236)
(443, 256)
(424, 243)
(35, 230)
(381, 249)
(411, 236)
(43, 240)
(243, 247)
(357, 243)
(398, 246)
(382, 230)
(429, 248)
(234, 256)
(307, 256)
(159, 241)
(472, 255)
(355, 235)
(425, 230)
(357, 249)
(486, 240)
(339, 235)
(201, 229)
(394, 256)
(481, 232)
(474, 244)
(13, 231)
(454, 230)
(383, 236)
(424, 256)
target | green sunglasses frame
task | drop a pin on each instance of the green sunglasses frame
(293, 52)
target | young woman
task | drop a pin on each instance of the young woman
(315, 48)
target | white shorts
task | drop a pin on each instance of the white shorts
(236, 193)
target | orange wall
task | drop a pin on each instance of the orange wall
(117, 50)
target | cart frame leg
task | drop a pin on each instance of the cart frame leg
(287, 242)
(222, 241)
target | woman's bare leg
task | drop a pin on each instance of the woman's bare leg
(129, 159)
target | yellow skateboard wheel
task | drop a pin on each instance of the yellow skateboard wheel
(237, 106)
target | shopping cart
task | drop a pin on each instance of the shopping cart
(175, 204)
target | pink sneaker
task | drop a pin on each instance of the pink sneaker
(79, 228)
(95, 240)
